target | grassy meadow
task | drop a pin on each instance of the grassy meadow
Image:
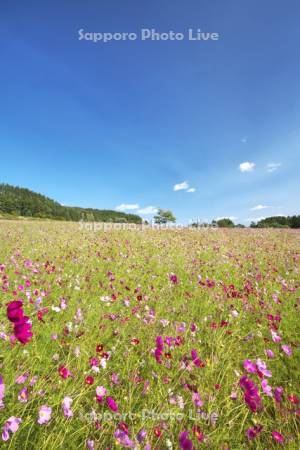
(156, 339)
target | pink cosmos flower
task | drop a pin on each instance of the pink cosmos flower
(180, 328)
(198, 402)
(112, 404)
(33, 380)
(141, 435)
(67, 401)
(266, 388)
(115, 378)
(269, 353)
(23, 395)
(233, 395)
(262, 367)
(3, 336)
(276, 299)
(22, 378)
(277, 436)
(123, 439)
(63, 303)
(44, 414)
(287, 350)
(90, 444)
(10, 426)
(100, 393)
(275, 337)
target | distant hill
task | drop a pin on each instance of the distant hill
(16, 201)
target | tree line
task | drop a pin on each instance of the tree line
(16, 201)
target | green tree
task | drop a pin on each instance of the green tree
(225, 223)
(164, 216)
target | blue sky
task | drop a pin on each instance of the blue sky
(121, 123)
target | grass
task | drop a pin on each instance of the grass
(132, 269)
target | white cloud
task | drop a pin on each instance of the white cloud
(272, 167)
(148, 210)
(226, 217)
(246, 166)
(125, 206)
(181, 186)
(191, 190)
(258, 207)
(254, 219)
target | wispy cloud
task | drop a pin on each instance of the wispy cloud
(184, 186)
(246, 166)
(127, 206)
(181, 186)
(254, 219)
(148, 210)
(227, 217)
(258, 207)
(272, 167)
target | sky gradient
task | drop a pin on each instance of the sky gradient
(122, 123)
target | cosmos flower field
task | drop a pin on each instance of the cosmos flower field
(170, 339)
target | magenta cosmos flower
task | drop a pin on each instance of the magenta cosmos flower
(112, 404)
(277, 436)
(15, 311)
(278, 394)
(249, 366)
(64, 372)
(22, 325)
(173, 278)
(251, 394)
(22, 330)
(253, 432)
(184, 442)
(195, 358)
